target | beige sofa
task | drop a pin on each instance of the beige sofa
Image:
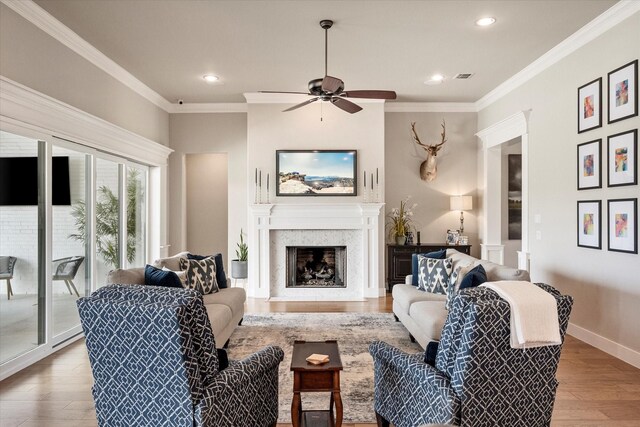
(225, 308)
(423, 313)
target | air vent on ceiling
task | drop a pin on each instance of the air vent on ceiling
(463, 76)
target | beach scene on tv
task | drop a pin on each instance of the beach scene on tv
(316, 173)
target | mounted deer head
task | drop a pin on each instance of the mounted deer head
(429, 168)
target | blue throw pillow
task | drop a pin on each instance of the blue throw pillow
(221, 277)
(441, 254)
(476, 277)
(157, 277)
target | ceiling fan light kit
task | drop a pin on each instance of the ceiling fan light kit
(331, 88)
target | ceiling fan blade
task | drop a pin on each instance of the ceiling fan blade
(345, 105)
(279, 91)
(331, 84)
(302, 104)
(373, 94)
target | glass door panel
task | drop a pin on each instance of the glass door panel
(107, 218)
(21, 321)
(136, 216)
(70, 272)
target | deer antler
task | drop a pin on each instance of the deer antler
(416, 139)
(443, 136)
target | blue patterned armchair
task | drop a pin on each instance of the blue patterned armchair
(155, 363)
(478, 379)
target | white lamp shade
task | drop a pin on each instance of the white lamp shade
(461, 203)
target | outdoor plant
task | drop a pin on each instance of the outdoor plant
(399, 221)
(243, 250)
(107, 224)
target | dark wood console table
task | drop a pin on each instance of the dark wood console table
(399, 258)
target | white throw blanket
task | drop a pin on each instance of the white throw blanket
(534, 314)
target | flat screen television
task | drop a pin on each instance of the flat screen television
(19, 181)
(316, 172)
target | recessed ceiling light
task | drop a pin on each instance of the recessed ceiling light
(485, 22)
(436, 79)
(210, 78)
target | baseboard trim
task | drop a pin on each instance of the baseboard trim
(619, 351)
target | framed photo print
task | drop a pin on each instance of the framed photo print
(622, 89)
(452, 237)
(590, 106)
(590, 165)
(316, 172)
(589, 225)
(622, 158)
(623, 225)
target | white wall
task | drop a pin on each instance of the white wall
(457, 175)
(604, 284)
(208, 133)
(35, 59)
(269, 129)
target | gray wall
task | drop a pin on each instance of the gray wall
(208, 133)
(457, 171)
(605, 285)
(31, 57)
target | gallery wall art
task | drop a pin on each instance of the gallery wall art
(622, 92)
(590, 106)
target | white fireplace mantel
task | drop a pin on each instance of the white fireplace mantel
(308, 216)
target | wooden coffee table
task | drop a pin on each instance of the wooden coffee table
(316, 378)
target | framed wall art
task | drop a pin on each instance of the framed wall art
(589, 225)
(590, 106)
(316, 172)
(623, 225)
(622, 92)
(590, 165)
(622, 159)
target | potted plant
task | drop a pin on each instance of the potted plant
(399, 221)
(239, 265)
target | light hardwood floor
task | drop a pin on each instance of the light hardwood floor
(595, 389)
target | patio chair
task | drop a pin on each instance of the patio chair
(7, 263)
(66, 269)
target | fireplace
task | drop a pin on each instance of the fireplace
(316, 267)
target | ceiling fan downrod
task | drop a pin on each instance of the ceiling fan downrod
(326, 24)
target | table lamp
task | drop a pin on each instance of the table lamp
(461, 203)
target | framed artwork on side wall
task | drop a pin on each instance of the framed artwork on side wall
(623, 225)
(590, 165)
(590, 106)
(589, 225)
(622, 159)
(622, 92)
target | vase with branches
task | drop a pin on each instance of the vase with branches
(107, 222)
(399, 221)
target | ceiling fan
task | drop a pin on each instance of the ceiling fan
(332, 88)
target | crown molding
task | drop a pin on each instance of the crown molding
(213, 107)
(430, 107)
(43, 20)
(38, 112)
(601, 24)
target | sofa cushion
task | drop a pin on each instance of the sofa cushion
(233, 298)
(434, 274)
(221, 277)
(429, 316)
(201, 275)
(219, 317)
(406, 295)
(441, 254)
(156, 277)
(128, 276)
(171, 263)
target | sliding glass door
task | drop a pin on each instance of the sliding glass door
(107, 218)
(21, 204)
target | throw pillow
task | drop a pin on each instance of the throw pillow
(182, 275)
(221, 277)
(201, 275)
(430, 353)
(475, 277)
(434, 274)
(454, 282)
(157, 277)
(441, 254)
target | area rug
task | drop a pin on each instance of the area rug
(353, 331)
